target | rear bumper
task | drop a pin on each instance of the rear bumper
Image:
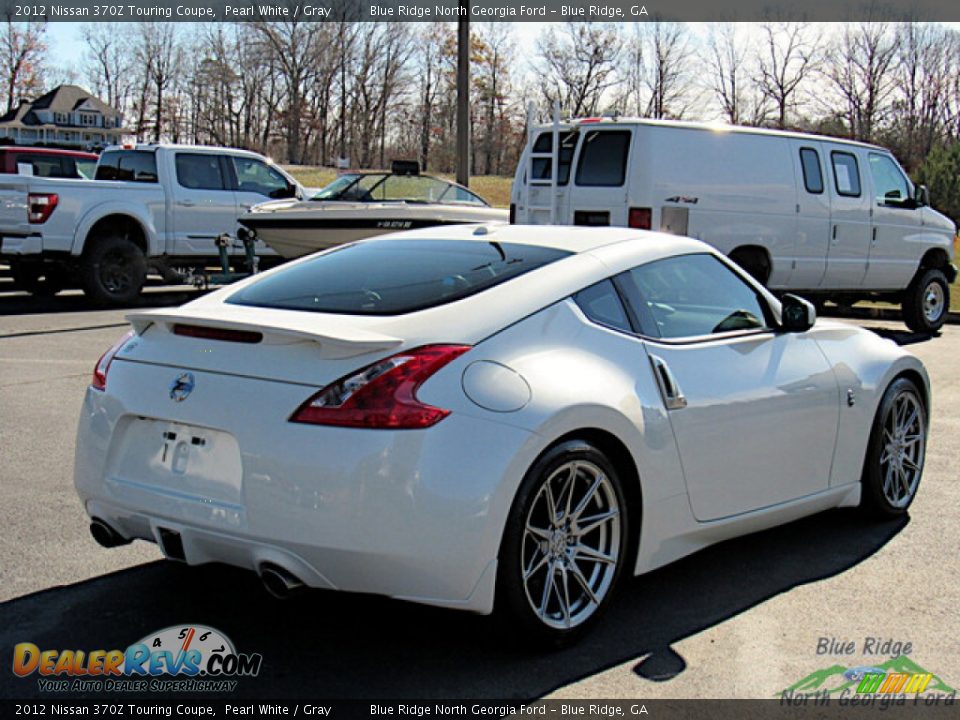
(416, 515)
(20, 245)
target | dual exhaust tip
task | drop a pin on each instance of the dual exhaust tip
(277, 581)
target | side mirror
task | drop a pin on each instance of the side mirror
(921, 195)
(796, 314)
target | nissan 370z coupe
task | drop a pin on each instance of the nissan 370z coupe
(484, 417)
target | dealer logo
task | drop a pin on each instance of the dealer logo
(196, 657)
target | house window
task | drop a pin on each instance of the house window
(60, 118)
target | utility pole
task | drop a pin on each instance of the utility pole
(463, 94)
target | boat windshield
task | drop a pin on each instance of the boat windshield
(385, 187)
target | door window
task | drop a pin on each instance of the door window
(258, 177)
(889, 184)
(128, 165)
(691, 296)
(846, 174)
(197, 171)
(603, 158)
(812, 177)
(544, 144)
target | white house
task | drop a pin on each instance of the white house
(68, 116)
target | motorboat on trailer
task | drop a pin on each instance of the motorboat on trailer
(359, 205)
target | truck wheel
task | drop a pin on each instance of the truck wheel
(926, 301)
(113, 270)
(40, 279)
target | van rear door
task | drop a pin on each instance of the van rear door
(598, 193)
(849, 218)
(542, 199)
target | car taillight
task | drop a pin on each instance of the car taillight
(103, 364)
(42, 206)
(382, 395)
(640, 218)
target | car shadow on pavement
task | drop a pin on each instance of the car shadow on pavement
(331, 645)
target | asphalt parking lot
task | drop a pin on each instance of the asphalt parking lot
(742, 619)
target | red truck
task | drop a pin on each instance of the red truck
(48, 162)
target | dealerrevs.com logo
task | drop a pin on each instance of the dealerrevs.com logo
(181, 658)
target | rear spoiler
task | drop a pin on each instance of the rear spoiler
(337, 336)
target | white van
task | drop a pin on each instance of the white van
(827, 218)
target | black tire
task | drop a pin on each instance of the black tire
(40, 279)
(756, 263)
(113, 270)
(889, 481)
(926, 301)
(558, 561)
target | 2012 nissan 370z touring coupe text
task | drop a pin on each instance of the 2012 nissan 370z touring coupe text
(491, 417)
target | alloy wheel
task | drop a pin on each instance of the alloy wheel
(903, 446)
(571, 544)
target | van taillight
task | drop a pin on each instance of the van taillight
(513, 214)
(640, 218)
(42, 206)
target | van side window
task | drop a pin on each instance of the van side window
(544, 144)
(601, 304)
(889, 184)
(846, 174)
(812, 176)
(603, 158)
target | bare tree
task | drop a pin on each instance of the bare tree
(578, 65)
(786, 58)
(658, 70)
(22, 57)
(737, 94)
(495, 52)
(860, 70)
(107, 62)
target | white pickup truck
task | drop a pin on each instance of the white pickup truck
(151, 208)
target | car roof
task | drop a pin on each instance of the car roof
(569, 238)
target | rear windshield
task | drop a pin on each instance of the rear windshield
(393, 277)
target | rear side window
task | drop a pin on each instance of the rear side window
(393, 277)
(197, 171)
(601, 304)
(846, 174)
(812, 176)
(129, 165)
(603, 158)
(544, 144)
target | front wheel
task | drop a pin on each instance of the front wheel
(898, 442)
(565, 545)
(926, 302)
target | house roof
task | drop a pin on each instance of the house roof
(62, 99)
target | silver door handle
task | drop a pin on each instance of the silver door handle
(186, 203)
(673, 396)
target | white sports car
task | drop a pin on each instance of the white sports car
(479, 417)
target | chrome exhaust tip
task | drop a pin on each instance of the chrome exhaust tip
(106, 535)
(279, 582)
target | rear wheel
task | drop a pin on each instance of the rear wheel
(898, 442)
(41, 279)
(754, 261)
(565, 545)
(926, 301)
(113, 270)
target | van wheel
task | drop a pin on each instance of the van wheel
(926, 301)
(40, 279)
(113, 270)
(754, 262)
(564, 546)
